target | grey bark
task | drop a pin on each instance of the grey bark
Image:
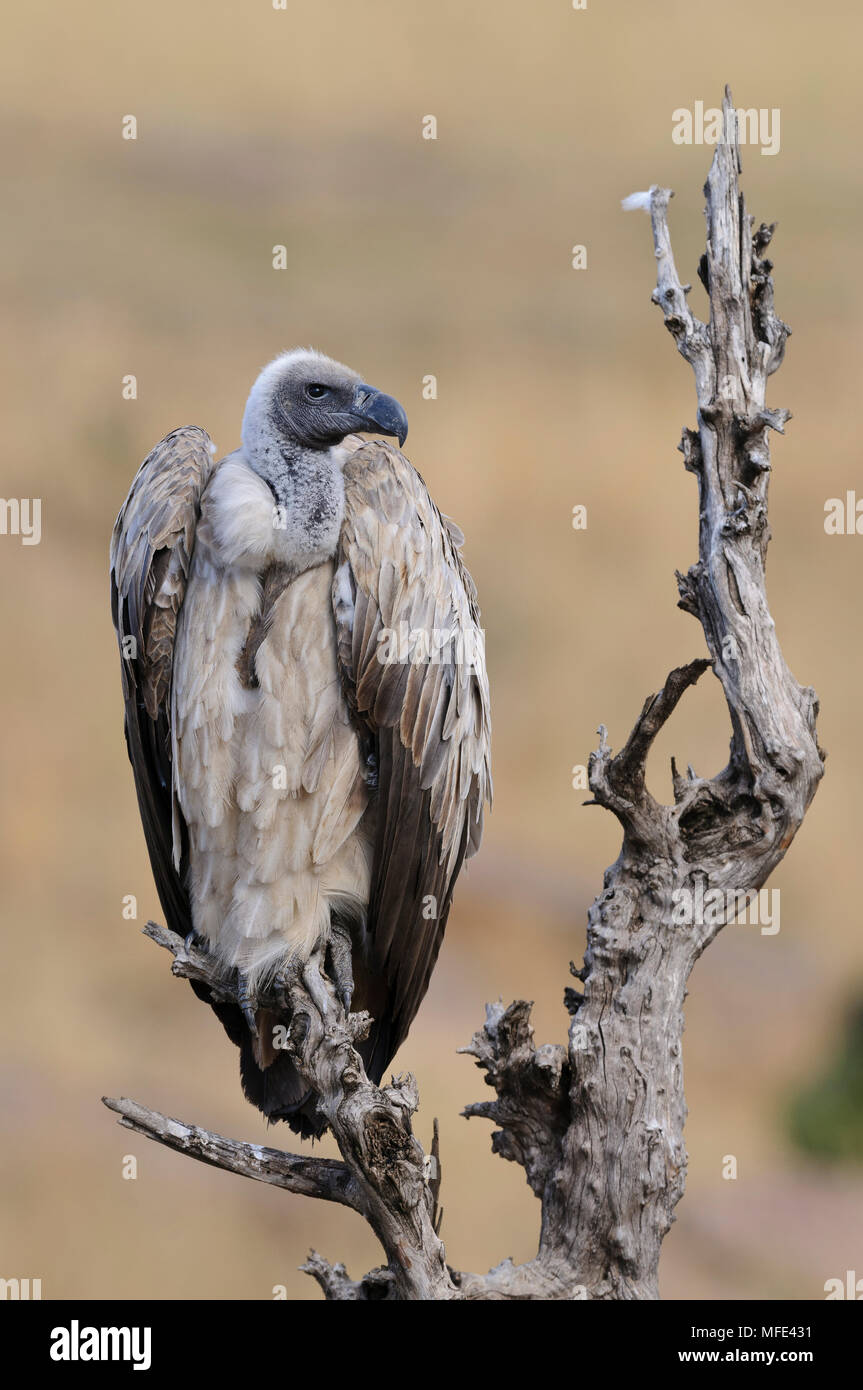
(597, 1124)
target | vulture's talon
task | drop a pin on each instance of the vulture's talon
(246, 1001)
(286, 978)
(341, 964)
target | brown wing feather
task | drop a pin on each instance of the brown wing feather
(151, 550)
(427, 718)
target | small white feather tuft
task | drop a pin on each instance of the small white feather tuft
(637, 200)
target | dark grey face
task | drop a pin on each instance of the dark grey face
(318, 410)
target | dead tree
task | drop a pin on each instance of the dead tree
(597, 1124)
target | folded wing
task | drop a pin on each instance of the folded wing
(412, 658)
(151, 550)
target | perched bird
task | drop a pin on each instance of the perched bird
(306, 709)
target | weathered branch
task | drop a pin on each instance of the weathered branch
(531, 1085)
(619, 783)
(598, 1125)
(324, 1178)
(338, 1287)
(385, 1174)
(611, 1197)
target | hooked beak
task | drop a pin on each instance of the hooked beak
(378, 414)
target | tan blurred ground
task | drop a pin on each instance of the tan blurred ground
(409, 257)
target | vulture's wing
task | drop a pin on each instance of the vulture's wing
(151, 549)
(413, 665)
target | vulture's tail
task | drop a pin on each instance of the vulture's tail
(277, 1089)
(279, 1092)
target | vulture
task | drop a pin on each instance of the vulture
(306, 710)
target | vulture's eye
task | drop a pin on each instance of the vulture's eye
(315, 390)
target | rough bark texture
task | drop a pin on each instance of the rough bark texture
(597, 1125)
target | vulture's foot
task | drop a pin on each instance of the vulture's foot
(200, 943)
(340, 962)
(307, 974)
(335, 959)
(286, 979)
(246, 1001)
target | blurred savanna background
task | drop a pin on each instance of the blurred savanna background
(408, 257)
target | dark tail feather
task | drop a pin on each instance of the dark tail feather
(279, 1092)
(377, 1050)
(276, 1090)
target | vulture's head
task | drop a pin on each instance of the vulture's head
(304, 399)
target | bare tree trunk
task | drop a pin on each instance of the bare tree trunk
(598, 1124)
